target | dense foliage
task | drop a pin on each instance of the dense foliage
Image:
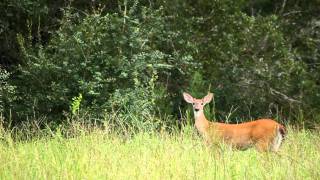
(261, 58)
(6, 89)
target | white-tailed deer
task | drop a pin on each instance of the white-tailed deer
(264, 134)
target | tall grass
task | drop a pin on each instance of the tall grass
(104, 154)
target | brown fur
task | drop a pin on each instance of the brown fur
(260, 133)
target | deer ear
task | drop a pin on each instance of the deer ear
(208, 98)
(187, 97)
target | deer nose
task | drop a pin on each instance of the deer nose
(196, 110)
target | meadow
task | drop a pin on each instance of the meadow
(104, 154)
(94, 89)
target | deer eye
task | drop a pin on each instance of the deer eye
(201, 103)
(192, 103)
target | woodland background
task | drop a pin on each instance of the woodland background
(133, 59)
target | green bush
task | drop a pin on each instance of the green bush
(6, 90)
(101, 57)
(246, 60)
(136, 57)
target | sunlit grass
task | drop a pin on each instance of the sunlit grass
(181, 155)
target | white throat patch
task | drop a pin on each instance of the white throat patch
(197, 113)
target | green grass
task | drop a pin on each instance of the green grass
(103, 155)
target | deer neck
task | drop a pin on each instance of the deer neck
(201, 121)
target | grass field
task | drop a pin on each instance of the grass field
(182, 155)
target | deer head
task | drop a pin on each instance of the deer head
(197, 104)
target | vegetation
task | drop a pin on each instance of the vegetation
(100, 154)
(93, 89)
(136, 57)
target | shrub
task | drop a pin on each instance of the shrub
(138, 58)
(6, 90)
(246, 60)
(109, 59)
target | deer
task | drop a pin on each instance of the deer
(263, 134)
